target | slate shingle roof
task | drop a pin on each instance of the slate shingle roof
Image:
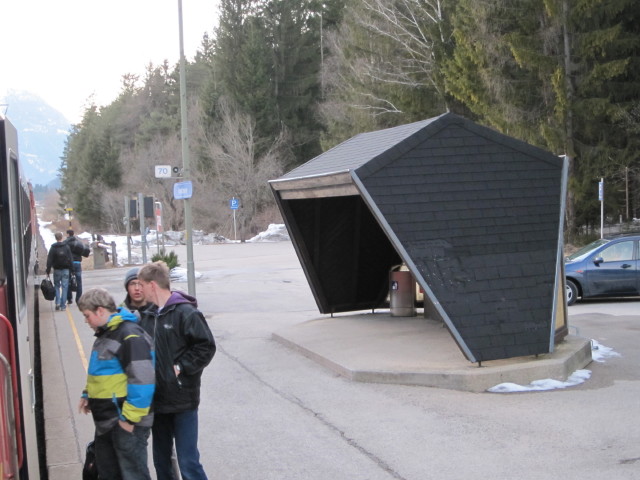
(474, 214)
(356, 151)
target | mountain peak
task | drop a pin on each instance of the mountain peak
(42, 132)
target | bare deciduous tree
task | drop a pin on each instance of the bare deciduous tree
(385, 66)
(140, 177)
(234, 168)
(403, 41)
(417, 30)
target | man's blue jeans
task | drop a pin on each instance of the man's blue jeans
(184, 428)
(77, 269)
(61, 282)
(121, 455)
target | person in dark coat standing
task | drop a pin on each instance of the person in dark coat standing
(60, 259)
(77, 248)
(184, 346)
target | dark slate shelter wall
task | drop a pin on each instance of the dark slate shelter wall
(478, 214)
(346, 255)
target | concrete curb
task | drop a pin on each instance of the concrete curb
(378, 348)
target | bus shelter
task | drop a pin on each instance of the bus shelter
(475, 215)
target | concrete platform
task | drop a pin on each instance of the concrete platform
(379, 348)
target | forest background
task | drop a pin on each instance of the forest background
(281, 81)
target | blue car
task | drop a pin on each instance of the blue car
(605, 268)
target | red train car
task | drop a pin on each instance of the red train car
(21, 420)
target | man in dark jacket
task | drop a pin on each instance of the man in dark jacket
(77, 250)
(184, 346)
(59, 258)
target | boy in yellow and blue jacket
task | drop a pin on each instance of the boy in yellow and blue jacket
(120, 387)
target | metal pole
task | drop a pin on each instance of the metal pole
(127, 220)
(601, 207)
(158, 213)
(186, 173)
(626, 191)
(143, 233)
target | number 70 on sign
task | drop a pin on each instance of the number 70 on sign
(167, 171)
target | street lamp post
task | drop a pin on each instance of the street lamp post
(186, 172)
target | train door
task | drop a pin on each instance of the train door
(18, 300)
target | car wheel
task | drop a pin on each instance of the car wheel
(572, 292)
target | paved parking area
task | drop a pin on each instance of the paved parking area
(269, 412)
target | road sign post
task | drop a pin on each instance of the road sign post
(234, 203)
(601, 198)
(186, 169)
(127, 220)
(142, 221)
(159, 231)
(69, 211)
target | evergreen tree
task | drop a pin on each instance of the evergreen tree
(505, 56)
(267, 59)
(606, 77)
(294, 36)
(231, 36)
(253, 91)
(90, 165)
(556, 77)
(159, 104)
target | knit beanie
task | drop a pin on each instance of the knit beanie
(131, 275)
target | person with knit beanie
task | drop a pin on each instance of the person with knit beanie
(134, 301)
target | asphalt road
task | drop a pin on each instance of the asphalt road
(269, 413)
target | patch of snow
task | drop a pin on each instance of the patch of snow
(576, 378)
(599, 353)
(276, 232)
(179, 274)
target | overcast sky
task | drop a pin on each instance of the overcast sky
(65, 51)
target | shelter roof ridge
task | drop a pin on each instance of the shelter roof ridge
(356, 151)
(312, 175)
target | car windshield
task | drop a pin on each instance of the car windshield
(586, 250)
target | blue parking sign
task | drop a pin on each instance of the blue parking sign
(234, 203)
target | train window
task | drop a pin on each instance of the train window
(27, 230)
(5, 221)
(15, 205)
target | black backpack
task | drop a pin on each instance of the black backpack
(78, 247)
(60, 258)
